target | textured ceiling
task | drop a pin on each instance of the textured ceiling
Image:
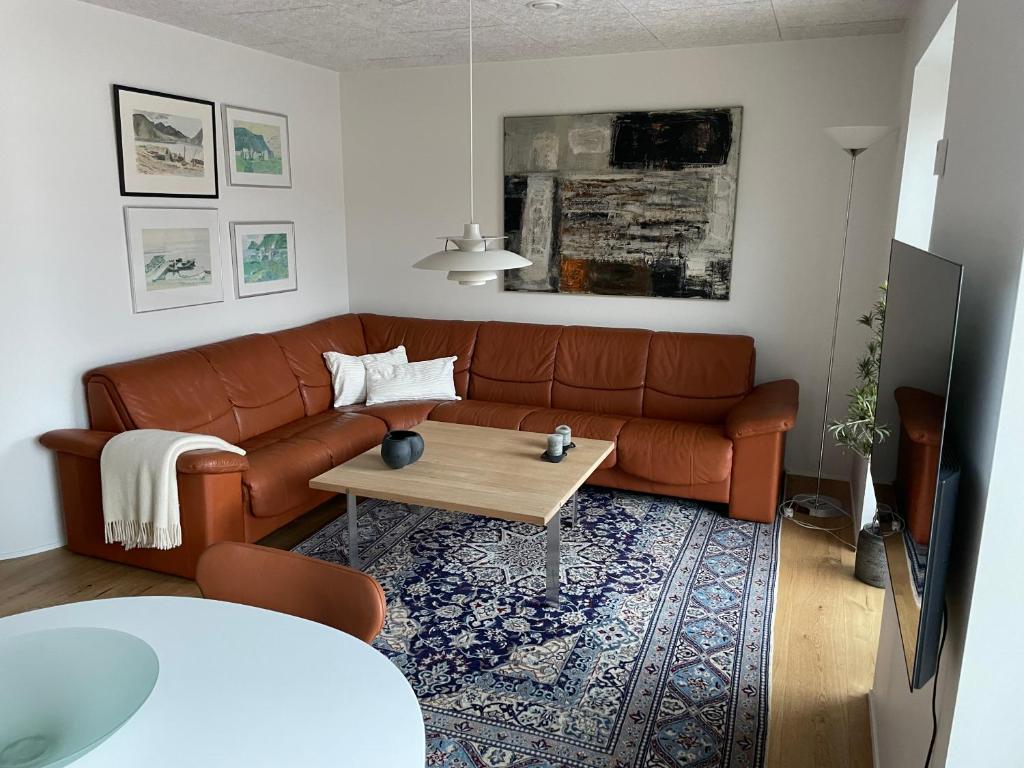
(359, 34)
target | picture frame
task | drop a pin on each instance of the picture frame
(659, 188)
(166, 144)
(256, 148)
(174, 257)
(263, 253)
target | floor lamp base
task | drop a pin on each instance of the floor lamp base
(822, 506)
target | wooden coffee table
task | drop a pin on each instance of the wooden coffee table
(479, 471)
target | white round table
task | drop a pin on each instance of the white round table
(241, 686)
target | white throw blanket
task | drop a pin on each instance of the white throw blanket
(138, 470)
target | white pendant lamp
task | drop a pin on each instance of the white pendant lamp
(476, 258)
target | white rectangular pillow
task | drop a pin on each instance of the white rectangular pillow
(425, 380)
(348, 373)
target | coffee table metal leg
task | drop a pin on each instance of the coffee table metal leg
(353, 531)
(552, 559)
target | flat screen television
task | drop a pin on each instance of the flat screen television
(915, 469)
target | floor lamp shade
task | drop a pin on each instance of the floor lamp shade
(857, 137)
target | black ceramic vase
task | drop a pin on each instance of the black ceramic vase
(401, 448)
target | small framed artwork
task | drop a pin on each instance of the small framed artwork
(174, 257)
(264, 255)
(166, 144)
(257, 148)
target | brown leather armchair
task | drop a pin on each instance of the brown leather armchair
(681, 408)
(286, 582)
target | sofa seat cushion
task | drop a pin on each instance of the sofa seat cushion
(482, 413)
(675, 453)
(592, 425)
(402, 414)
(284, 460)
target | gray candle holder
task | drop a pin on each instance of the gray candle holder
(556, 449)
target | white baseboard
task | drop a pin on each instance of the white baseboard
(875, 761)
(30, 551)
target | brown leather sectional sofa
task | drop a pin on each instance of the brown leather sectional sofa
(682, 409)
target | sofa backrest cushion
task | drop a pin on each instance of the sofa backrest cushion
(258, 381)
(601, 370)
(514, 363)
(242, 387)
(179, 391)
(425, 340)
(697, 377)
(304, 349)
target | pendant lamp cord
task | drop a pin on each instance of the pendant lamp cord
(472, 212)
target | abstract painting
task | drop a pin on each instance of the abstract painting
(264, 257)
(623, 203)
(257, 148)
(173, 257)
(165, 144)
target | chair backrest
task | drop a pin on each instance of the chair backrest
(287, 582)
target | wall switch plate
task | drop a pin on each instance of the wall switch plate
(941, 147)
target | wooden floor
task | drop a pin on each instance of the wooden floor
(826, 637)
(826, 630)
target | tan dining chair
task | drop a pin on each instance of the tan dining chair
(286, 582)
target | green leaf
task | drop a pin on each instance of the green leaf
(858, 432)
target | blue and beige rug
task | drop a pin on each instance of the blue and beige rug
(659, 654)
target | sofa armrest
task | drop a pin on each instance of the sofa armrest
(88, 444)
(211, 462)
(767, 408)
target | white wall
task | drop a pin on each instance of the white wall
(406, 169)
(65, 301)
(925, 126)
(979, 221)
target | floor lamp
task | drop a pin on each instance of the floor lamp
(853, 139)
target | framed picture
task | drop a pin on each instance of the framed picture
(623, 203)
(257, 148)
(173, 257)
(264, 255)
(166, 145)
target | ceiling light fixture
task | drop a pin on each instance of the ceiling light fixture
(475, 259)
(545, 5)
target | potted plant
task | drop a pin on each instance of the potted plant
(859, 431)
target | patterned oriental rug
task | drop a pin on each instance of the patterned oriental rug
(659, 654)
